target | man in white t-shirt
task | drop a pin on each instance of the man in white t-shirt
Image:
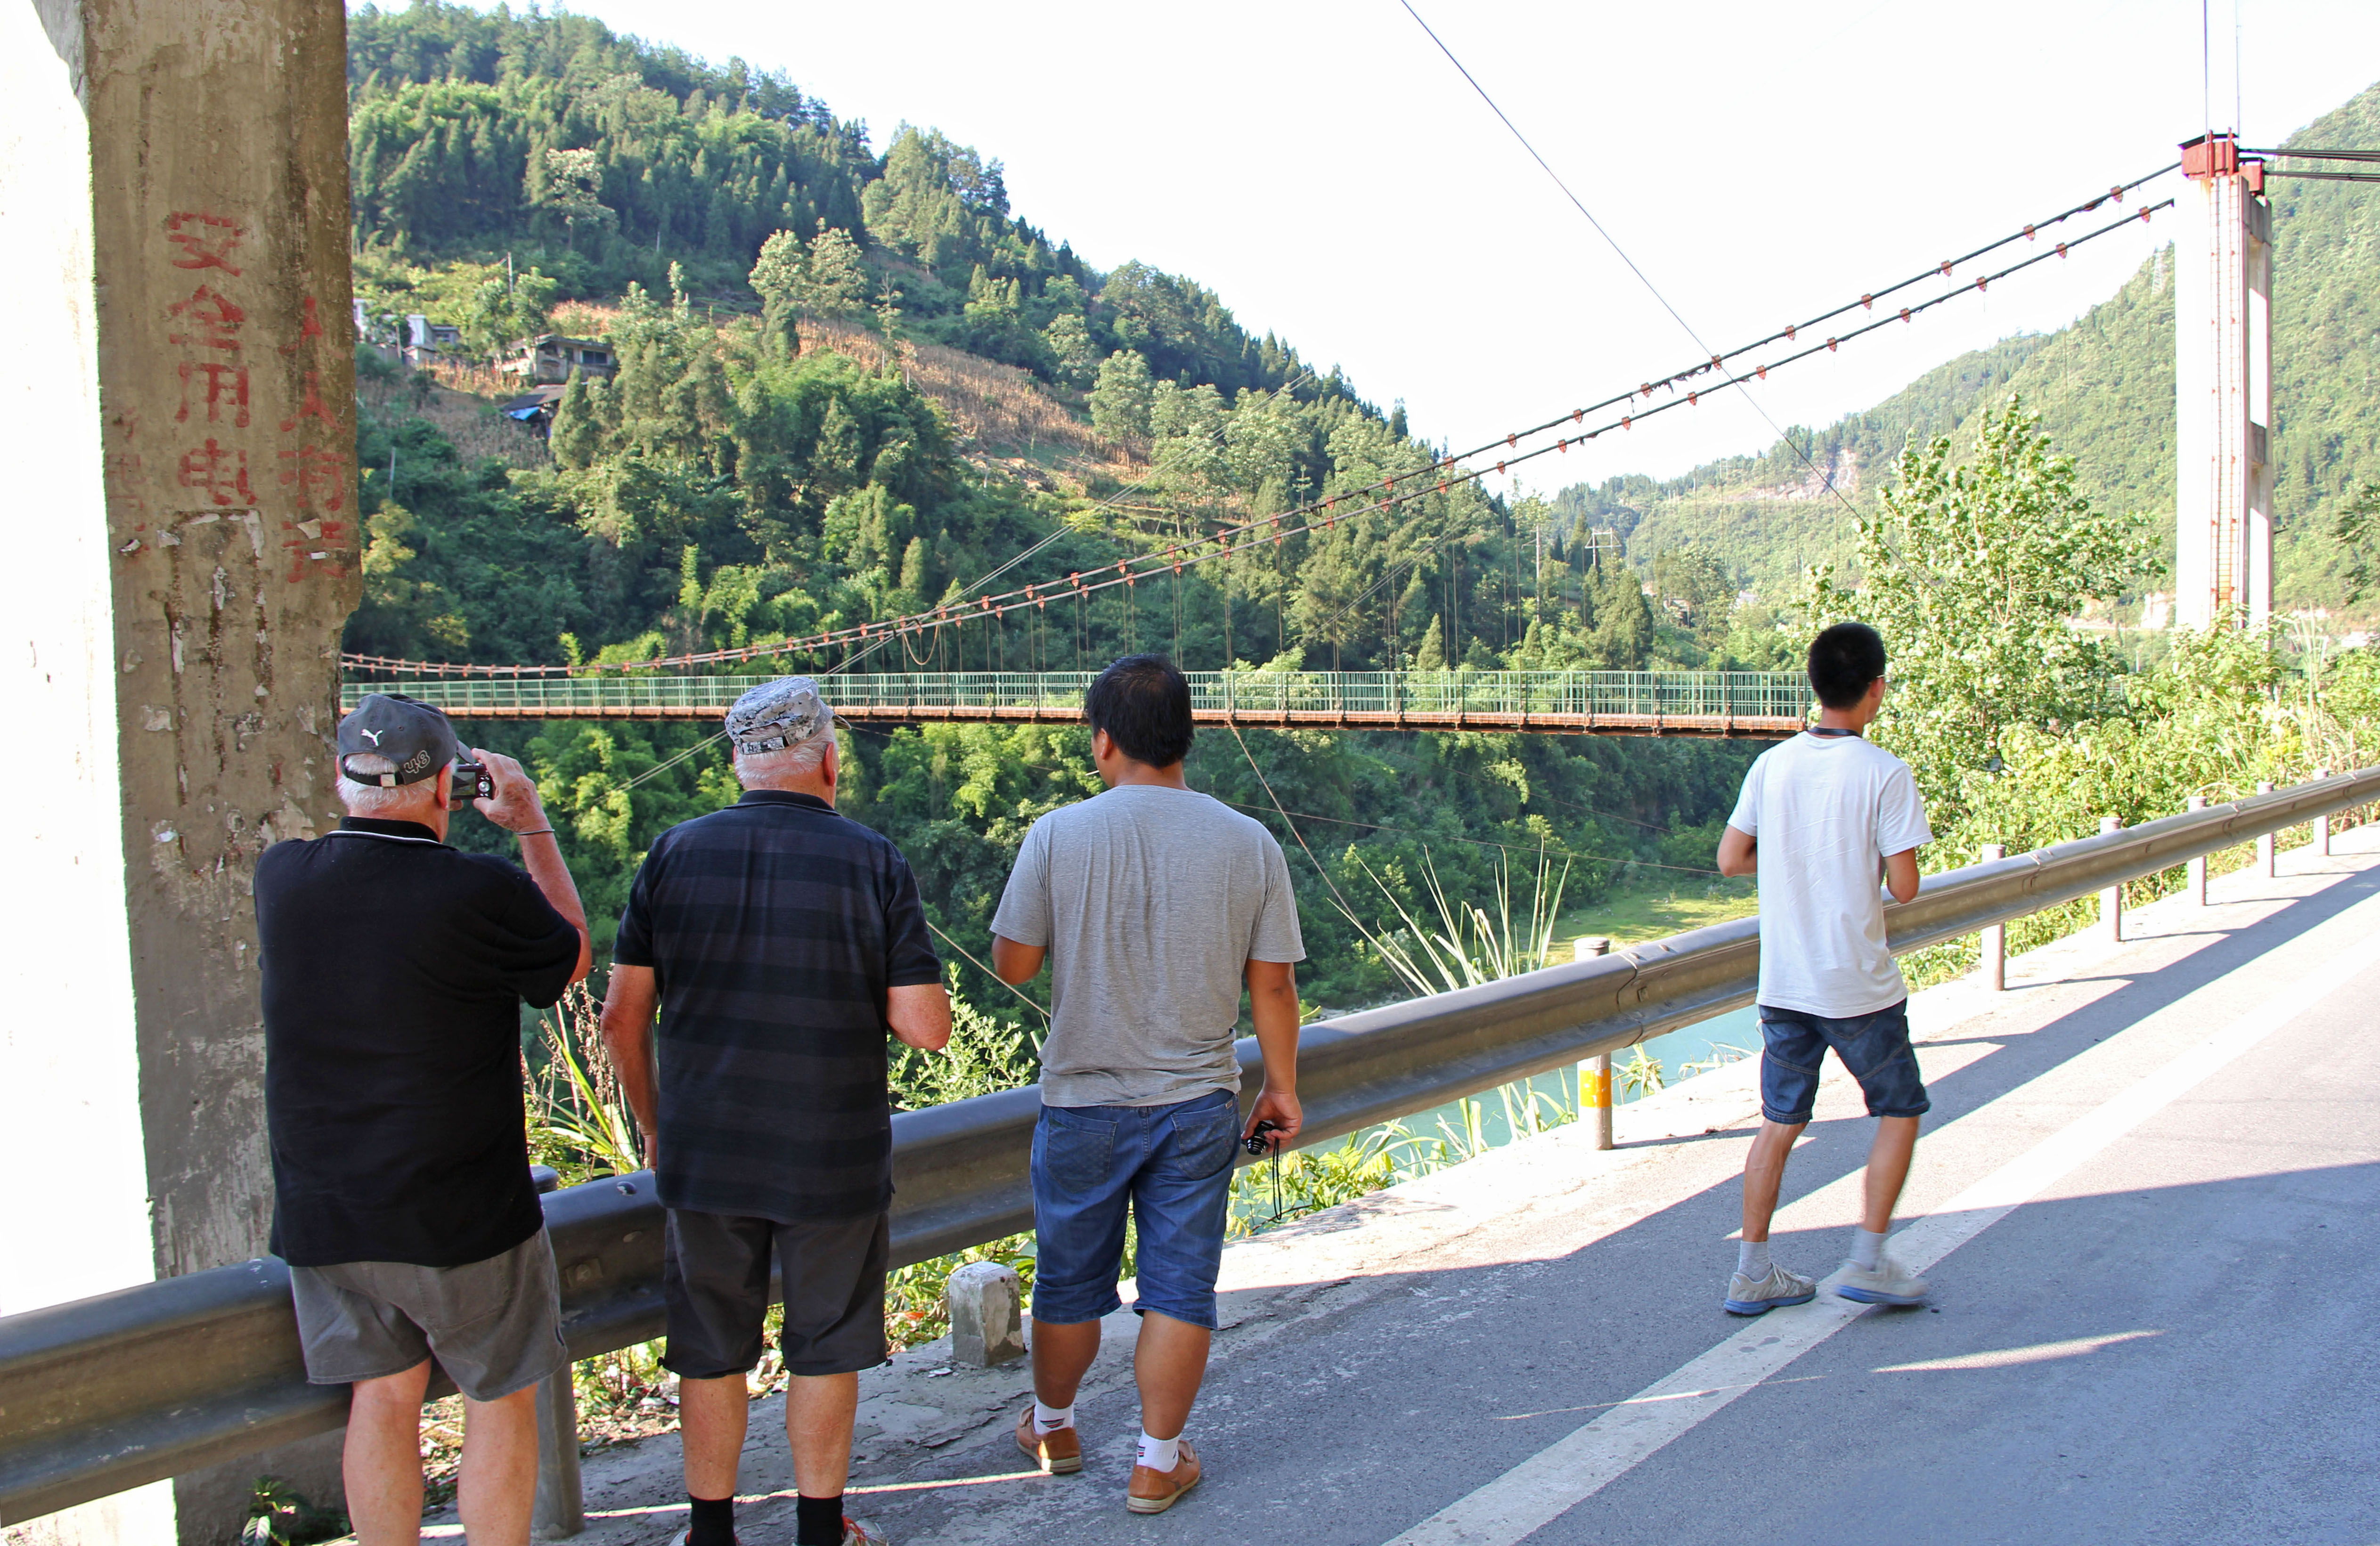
(1819, 815)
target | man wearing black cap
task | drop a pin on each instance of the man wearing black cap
(393, 970)
(781, 942)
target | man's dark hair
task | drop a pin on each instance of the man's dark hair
(1144, 705)
(1844, 661)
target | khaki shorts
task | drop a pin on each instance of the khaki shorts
(494, 1326)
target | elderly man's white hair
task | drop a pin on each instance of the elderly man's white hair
(375, 799)
(799, 761)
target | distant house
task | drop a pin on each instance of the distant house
(424, 338)
(548, 360)
(535, 407)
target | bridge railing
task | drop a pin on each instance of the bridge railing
(125, 1388)
(1751, 695)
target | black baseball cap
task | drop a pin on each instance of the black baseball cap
(408, 731)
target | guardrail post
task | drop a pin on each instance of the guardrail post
(2321, 823)
(2111, 901)
(1595, 1073)
(2196, 885)
(2264, 844)
(560, 1507)
(1994, 966)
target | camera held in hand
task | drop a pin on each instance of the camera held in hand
(1256, 1143)
(473, 782)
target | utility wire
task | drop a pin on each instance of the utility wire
(1478, 842)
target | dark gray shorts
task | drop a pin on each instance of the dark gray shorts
(715, 1287)
(494, 1326)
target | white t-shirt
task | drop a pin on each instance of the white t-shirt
(1827, 809)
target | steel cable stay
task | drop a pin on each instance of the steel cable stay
(1442, 474)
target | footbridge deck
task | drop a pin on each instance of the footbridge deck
(1714, 703)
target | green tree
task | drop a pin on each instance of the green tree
(1974, 571)
(1120, 401)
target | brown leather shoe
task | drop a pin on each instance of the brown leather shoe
(1155, 1492)
(1059, 1452)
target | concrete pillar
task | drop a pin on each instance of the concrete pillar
(1595, 1073)
(181, 406)
(1994, 964)
(2222, 387)
(986, 1302)
(2264, 845)
(2111, 901)
(2196, 885)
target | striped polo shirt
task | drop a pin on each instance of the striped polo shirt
(774, 928)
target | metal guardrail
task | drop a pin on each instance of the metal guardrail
(112, 1391)
(1682, 701)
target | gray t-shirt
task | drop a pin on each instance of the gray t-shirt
(1151, 901)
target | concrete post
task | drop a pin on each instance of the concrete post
(987, 1309)
(2321, 823)
(1595, 1073)
(560, 1508)
(1994, 964)
(2111, 901)
(181, 396)
(2223, 386)
(2197, 882)
(2264, 844)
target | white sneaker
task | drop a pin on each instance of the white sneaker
(1745, 1296)
(1887, 1283)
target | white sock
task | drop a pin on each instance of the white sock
(1049, 1419)
(1867, 1249)
(1752, 1260)
(1159, 1455)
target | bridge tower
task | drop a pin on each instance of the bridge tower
(2223, 388)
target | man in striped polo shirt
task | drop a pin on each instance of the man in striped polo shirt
(780, 943)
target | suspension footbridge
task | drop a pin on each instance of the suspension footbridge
(1752, 704)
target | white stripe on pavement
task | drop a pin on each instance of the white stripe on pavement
(1574, 1468)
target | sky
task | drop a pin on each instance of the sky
(1322, 166)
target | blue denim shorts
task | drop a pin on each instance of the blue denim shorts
(1171, 1165)
(1873, 1047)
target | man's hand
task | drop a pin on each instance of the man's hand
(516, 807)
(1280, 1108)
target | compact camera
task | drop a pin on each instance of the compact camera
(1256, 1143)
(473, 782)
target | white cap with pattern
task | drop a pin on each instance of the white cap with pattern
(778, 716)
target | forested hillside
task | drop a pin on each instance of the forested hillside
(800, 438)
(2104, 389)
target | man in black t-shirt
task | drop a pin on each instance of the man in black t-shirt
(393, 970)
(780, 943)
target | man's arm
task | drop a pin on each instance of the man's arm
(518, 810)
(919, 1014)
(1739, 853)
(1016, 964)
(628, 1008)
(1899, 874)
(1272, 1003)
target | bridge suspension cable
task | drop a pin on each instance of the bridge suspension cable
(1442, 475)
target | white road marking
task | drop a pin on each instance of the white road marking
(2009, 1358)
(1571, 1469)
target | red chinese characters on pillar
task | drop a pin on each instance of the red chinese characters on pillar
(219, 386)
(314, 548)
(319, 476)
(206, 240)
(217, 471)
(312, 407)
(209, 322)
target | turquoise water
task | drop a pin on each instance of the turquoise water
(1738, 1031)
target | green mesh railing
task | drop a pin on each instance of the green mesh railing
(1620, 695)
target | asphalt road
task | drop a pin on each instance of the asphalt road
(2156, 1165)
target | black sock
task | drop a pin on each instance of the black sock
(714, 1521)
(818, 1521)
